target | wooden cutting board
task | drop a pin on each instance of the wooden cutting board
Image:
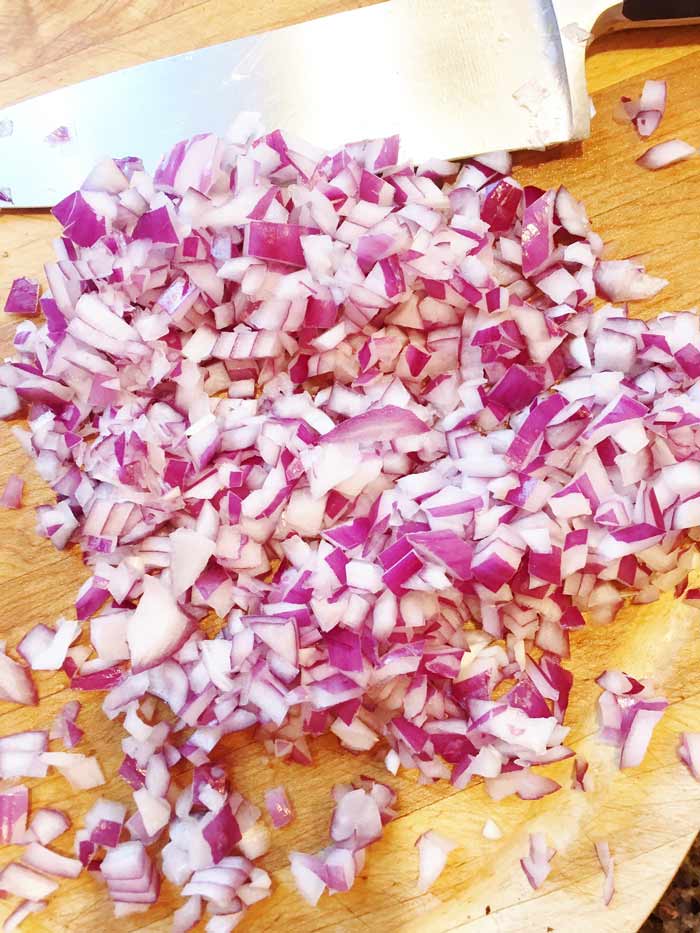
(649, 815)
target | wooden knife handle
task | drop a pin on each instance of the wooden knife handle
(603, 16)
(650, 10)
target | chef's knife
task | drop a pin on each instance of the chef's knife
(453, 77)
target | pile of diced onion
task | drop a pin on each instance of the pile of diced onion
(364, 417)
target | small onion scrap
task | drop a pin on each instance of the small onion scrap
(689, 752)
(607, 863)
(491, 830)
(59, 136)
(580, 775)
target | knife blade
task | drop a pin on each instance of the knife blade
(453, 77)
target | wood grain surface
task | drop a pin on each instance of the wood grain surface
(649, 815)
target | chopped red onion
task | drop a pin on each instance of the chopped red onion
(433, 849)
(622, 280)
(50, 863)
(48, 652)
(210, 822)
(131, 876)
(646, 111)
(22, 881)
(580, 775)
(628, 713)
(359, 815)
(647, 121)
(16, 684)
(188, 915)
(525, 783)
(81, 772)
(654, 94)
(348, 407)
(20, 913)
(64, 726)
(668, 153)
(279, 807)
(12, 494)
(23, 298)
(536, 863)
(14, 806)
(21, 754)
(47, 825)
(255, 841)
(104, 822)
(150, 645)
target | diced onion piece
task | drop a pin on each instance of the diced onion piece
(151, 643)
(536, 864)
(14, 806)
(24, 882)
(81, 771)
(50, 863)
(12, 494)
(20, 913)
(47, 825)
(279, 807)
(23, 298)
(668, 153)
(433, 849)
(16, 684)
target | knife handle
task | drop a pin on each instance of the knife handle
(650, 10)
(602, 16)
(606, 16)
